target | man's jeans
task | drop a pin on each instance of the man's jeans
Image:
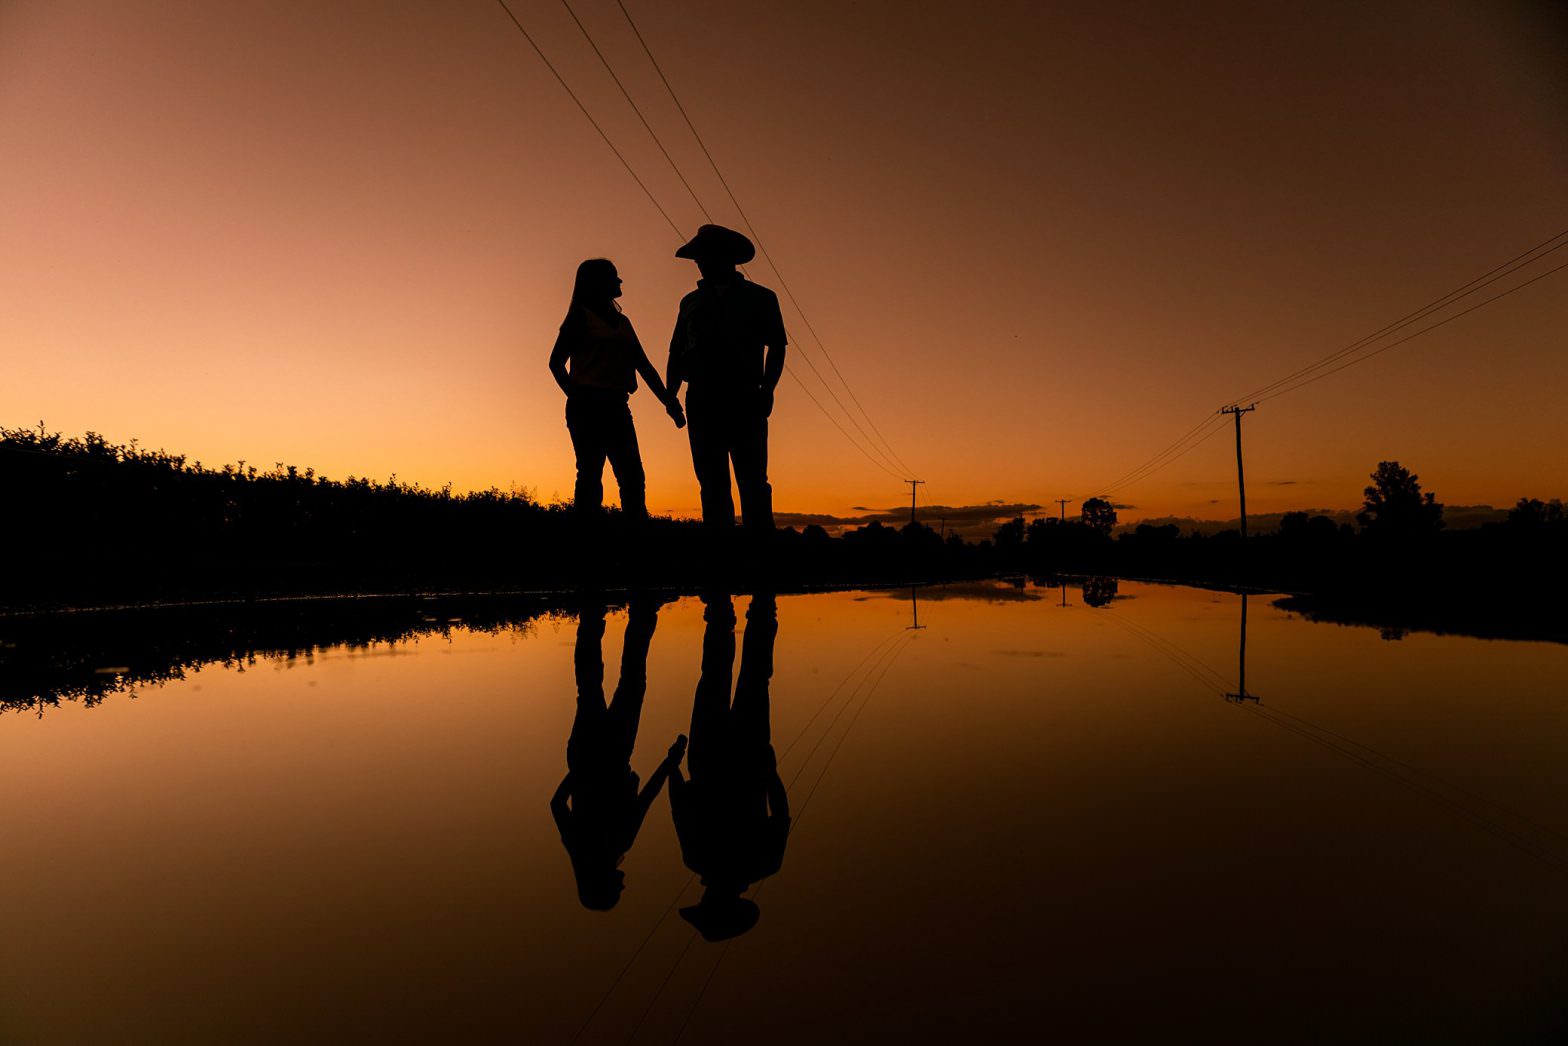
(728, 426)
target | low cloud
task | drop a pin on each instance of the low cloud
(968, 520)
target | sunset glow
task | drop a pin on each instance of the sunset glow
(1039, 245)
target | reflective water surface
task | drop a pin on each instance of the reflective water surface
(1059, 813)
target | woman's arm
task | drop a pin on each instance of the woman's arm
(558, 358)
(672, 406)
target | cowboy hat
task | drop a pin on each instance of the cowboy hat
(719, 244)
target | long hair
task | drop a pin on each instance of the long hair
(591, 289)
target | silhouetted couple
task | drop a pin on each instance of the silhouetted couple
(728, 347)
(731, 816)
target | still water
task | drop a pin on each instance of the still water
(1030, 817)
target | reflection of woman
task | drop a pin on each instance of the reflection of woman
(606, 809)
(596, 360)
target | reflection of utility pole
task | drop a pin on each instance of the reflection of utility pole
(1064, 593)
(1241, 485)
(1064, 502)
(1241, 681)
(913, 483)
(914, 603)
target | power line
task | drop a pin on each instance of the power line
(603, 60)
(1303, 376)
(568, 88)
(1417, 334)
(627, 95)
(1487, 278)
(841, 428)
(1159, 460)
(761, 247)
(668, 220)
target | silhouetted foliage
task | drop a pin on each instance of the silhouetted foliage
(1395, 506)
(1099, 515)
(1532, 513)
(1099, 591)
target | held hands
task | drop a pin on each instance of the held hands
(677, 415)
(677, 751)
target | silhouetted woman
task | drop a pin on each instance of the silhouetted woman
(596, 360)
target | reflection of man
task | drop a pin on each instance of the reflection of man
(607, 810)
(732, 817)
(729, 347)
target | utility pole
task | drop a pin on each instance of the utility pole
(1064, 502)
(913, 483)
(1241, 483)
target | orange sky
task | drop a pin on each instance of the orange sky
(1041, 241)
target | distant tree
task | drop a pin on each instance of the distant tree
(1146, 532)
(1304, 527)
(1532, 512)
(1395, 505)
(1009, 536)
(1099, 515)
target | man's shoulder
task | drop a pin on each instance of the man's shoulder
(761, 293)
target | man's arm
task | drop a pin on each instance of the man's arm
(773, 364)
(675, 369)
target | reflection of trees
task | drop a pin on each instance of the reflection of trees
(1099, 591)
(89, 656)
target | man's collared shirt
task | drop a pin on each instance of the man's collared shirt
(722, 331)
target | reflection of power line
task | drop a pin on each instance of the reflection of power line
(1367, 757)
(799, 815)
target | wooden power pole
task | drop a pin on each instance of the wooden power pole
(1241, 483)
(1064, 502)
(913, 483)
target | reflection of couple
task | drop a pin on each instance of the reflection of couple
(731, 816)
(728, 347)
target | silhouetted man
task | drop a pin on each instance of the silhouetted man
(728, 347)
(732, 817)
(606, 810)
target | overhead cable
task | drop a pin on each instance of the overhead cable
(761, 247)
(584, 109)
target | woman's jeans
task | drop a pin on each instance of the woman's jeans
(601, 426)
